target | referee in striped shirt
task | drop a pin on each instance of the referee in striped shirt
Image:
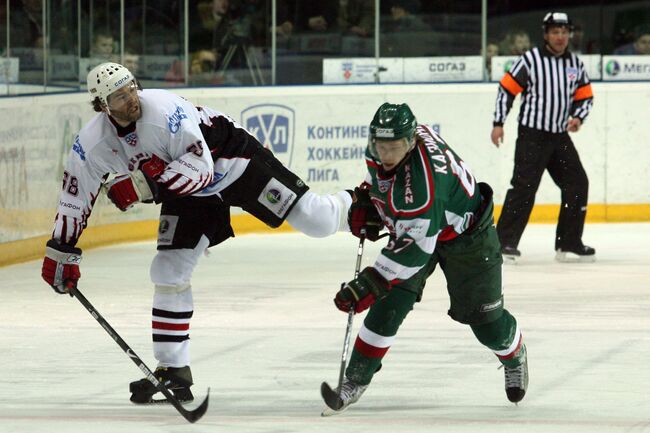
(556, 99)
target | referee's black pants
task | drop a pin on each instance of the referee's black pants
(535, 152)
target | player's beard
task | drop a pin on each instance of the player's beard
(131, 113)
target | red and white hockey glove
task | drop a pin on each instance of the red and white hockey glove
(127, 189)
(363, 215)
(185, 176)
(362, 292)
(137, 187)
(153, 168)
(61, 266)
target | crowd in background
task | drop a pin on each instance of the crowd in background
(229, 41)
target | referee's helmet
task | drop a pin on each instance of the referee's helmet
(556, 19)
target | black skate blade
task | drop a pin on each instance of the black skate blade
(158, 401)
(190, 415)
(161, 400)
(331, 398)
(165, 401)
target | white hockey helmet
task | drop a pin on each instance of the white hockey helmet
(105, 79)
(556, 19)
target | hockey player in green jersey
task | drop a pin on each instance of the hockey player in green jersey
(437, 214)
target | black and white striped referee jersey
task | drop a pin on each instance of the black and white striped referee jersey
(554, 88)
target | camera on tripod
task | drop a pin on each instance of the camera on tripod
(239, 32)
(237, 42)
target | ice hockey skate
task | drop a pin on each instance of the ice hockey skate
(511, 255)
(517, 377)
(177, 380)
(337, 402)
(580, 253)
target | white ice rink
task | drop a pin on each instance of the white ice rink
(265, 334)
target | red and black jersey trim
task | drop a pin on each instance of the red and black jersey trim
(159, 324)
(172, 314)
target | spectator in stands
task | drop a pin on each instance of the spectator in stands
(203, 65)
(305, 16)
(515, 43)
(215, 24)
(579, 43)
(284, 29)
(63, 26)
(357, 17)
(27, 24)
(641, 44)
(312, 16)
(491, 50)
(203, 61)
(103, 45)
(285, 10)
(577, 39)
(203, 69)
(131, 61)
(404, 18)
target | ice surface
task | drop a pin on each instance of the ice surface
(265, 333)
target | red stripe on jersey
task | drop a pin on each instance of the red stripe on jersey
(368, 350)
(170, 326)
(514, 352)
(207, 181)
(371, 163)
(447, 234)
(172, 180)
(183, 189)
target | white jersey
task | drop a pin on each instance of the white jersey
(172, 129)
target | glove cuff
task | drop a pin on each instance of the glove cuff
(141, 186)
(376, 283)
(62, 253)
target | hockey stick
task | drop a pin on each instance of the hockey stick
(325, 388)
(190, 415)
(348, 329)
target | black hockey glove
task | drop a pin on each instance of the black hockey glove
(363, 291)
(364, 216)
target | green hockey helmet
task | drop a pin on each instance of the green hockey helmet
(392, 122)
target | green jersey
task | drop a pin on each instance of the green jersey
(432, 197)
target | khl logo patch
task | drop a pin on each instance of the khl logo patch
(572, 73)
(131, 139)
(273, 126)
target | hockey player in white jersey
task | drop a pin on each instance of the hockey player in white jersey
(197, 162)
